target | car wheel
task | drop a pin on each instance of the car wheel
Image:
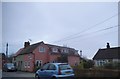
(37, 77)
(53, 78)
(6, 70)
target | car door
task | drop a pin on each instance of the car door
(43, 71)
(51, 71)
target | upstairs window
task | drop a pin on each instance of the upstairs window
(54, 49)
(41, 49)
(29, 56)
(64, 50)
(76, 52)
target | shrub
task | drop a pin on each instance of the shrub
(115, 65)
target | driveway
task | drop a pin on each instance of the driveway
(0, 74)
(17, 75)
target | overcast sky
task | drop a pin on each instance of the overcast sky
(80, 25)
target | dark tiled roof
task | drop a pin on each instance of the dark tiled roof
(2, 54)
(108, 53)
(18, 52)
(30, 48)
(71, 50)
(58, 46)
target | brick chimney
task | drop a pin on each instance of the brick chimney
(108, 45)
(26, 44)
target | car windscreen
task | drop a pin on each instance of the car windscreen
(10, 65)
(64, 67)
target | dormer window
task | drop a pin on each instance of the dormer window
(42, 49)
(76, 52)
(54, 49)
(64, 50)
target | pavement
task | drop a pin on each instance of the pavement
(0, 74)
(18, 75)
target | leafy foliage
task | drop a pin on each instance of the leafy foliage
(112, 65)
(88, 64)
(63, 58)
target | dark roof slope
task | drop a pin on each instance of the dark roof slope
(71, 50)
(50, 45)
(30, 48)
(108, 53)
(18, 52)
(2, 54)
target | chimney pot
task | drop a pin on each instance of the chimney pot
(108, 45)
(26, 44)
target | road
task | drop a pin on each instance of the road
(0, 73)
(17, 75)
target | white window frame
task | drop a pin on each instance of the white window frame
(54, 49)
(28, 64)
(29, 56)
(64, 50)
(25, 64)
(39, 61)
(76, 52)
(41, 49)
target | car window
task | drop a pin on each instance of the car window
(64, 66)
(52, 67)
(10, 64)
(45, 67)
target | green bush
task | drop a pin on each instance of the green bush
(80, 66)
(115, 65)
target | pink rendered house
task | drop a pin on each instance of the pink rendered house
(38, 54)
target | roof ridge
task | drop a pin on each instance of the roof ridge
(109, 48)
(59, 46)
(108, 53)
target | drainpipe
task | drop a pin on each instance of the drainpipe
(33, 61)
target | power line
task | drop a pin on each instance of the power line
(93, 32)
(91, 35)
(71, 36)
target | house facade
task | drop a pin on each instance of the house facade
(27, 58)
(107, 55)
(2, 60)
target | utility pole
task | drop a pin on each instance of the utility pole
(119, 23)
(7, 50)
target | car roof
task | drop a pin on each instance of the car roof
(58, 63)
(8, 63)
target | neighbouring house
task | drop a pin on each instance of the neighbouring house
(107, 55)
(2, 60)
(40, 53)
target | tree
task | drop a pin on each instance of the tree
(87, 63)
(63, 58)
(112, 65)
